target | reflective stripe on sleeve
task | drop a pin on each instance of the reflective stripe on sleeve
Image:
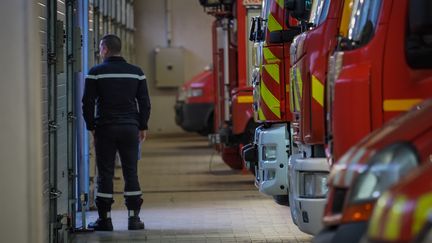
(116, 75)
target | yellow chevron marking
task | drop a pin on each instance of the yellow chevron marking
(291, 90)
(317, 91)
(269, 99)
(245, 99)
(400, 104)
(296, 88)
(421, 212)
(273, 70)
(269, 56)
(261, 115)
(273, 24)
(376, 219)
(280, 3)
(394, 220)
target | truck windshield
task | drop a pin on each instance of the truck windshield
(364, 19)
(319, 11)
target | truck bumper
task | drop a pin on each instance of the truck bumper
(307, 210)
(271, 167)
(352, 232)
(193, 117)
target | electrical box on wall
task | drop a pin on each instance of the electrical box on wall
(170, 69)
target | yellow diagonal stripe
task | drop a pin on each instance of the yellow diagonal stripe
(280, 3)
(273, 24)
(269, 99)
(269, 56)
(245, 99)
(376, 219)
(273, 70)
(421, 212)
(400, 104)
(261, 115)
(291, 90)
(391, 232)
(317, 91)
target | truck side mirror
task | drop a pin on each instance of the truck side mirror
(420, 17)
(252, 31)
(259, 30)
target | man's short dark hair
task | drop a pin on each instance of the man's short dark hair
(112, 43)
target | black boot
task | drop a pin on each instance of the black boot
(134, 222)
(103, 223)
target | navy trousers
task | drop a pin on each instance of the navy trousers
(108, 140)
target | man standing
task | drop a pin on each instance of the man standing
(119, 92)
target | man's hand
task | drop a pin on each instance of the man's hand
(142, 135)
(94, 137)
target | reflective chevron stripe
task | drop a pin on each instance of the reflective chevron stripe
(280, 3)
(273, 24)
(273, 70)
(422, 210)
(376, 221)
(270, 100)
(269, 57)
(394, 220)
(317, 91)
(261, 115)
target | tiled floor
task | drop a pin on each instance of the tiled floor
(191, 196)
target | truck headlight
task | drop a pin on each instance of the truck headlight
(269, 152)
(195, 92)
(385, 169)
(313, 184)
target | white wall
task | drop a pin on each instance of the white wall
(191, 29)
(20, 124)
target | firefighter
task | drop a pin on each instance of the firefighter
(118, 91)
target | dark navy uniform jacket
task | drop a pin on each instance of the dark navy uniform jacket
(119, 92)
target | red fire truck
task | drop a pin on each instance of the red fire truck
(233, 115)
(195, 104)
(369, 168)
(272, 34)
(402, 212)
(383, 67)
(308, 165)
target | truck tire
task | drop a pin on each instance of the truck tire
(282, 199)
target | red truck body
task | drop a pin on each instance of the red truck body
(379, 72)
(378, 161)
(233, 116)
(195, 104)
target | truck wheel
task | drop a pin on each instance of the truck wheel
(209, 128)
(281, 200)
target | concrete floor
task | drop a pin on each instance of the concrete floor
(190, 195)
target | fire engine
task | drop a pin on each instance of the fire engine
(272, 34)
(195, 104)
(382, 68)
(308, 165)
(369, 168)
(403, 214)
(233, 115)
